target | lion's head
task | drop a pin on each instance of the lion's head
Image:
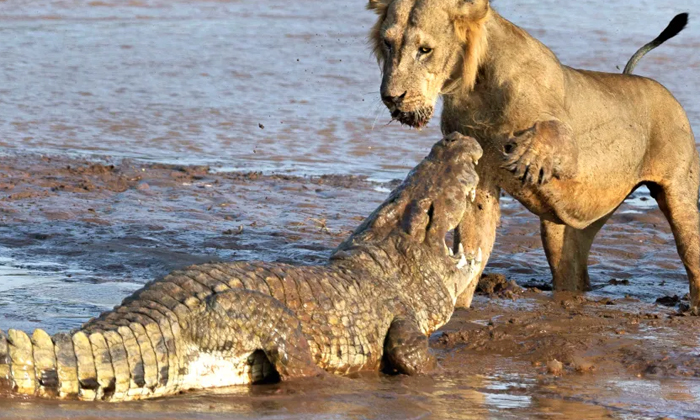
(426, 48)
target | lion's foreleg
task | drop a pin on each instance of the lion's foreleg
(478, 228)
(567, 251)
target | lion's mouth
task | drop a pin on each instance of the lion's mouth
(416, 119)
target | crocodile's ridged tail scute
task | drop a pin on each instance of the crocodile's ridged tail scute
(6, 383)
(100, 366)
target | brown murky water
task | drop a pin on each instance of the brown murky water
(189, 83)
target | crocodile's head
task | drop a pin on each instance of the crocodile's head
(413, 232)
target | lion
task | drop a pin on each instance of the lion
(569, 144)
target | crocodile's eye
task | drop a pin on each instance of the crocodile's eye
(425, 50)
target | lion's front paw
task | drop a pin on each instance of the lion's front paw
(540, 153)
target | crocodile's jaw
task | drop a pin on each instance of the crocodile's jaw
(468, 267)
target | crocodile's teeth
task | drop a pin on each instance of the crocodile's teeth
(462, 262)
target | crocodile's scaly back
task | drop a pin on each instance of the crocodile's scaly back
(392, 283)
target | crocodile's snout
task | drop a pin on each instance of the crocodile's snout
(460, 149)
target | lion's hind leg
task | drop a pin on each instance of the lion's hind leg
(678, 201)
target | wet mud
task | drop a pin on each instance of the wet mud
(78, 235)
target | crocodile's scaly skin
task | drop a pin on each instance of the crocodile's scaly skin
(384, 290)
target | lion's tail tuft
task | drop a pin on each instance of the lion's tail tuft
(677, 24)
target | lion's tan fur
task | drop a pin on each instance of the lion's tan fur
(380, 7)
(583, 140)
(471, 32)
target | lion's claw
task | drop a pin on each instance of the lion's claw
(540, 153)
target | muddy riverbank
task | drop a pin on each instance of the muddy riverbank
(78, 235)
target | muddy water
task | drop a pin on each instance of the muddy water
(290, 88)
(191, 81)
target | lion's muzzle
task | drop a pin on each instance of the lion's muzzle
(416, 119)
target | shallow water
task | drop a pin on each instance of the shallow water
(191, 81)
(285, 86)
(41, 293)
(437, 397)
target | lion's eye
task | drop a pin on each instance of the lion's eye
(387, 44)
(425, 50)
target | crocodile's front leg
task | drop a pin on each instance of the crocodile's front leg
(406, 348)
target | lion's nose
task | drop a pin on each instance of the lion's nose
(393, 100)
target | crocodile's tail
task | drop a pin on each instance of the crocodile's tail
(105, 366)
(677, 24)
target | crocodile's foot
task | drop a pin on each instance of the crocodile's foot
(406, 349)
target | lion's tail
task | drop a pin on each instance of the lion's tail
(677, 24)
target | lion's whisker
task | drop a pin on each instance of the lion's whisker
(374, 123)
(379, 109)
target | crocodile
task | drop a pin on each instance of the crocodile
(372, 306)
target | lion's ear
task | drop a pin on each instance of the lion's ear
(378, 6)
(471, 9)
